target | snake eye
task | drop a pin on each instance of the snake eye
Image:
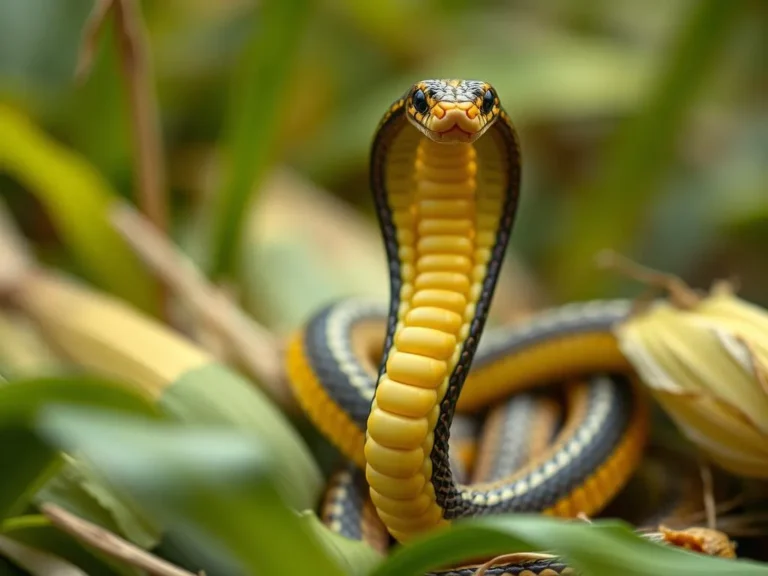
(420, 102)
(488, 100)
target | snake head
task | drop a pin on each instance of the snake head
(452, 111)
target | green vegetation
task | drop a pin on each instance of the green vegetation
(148, 400)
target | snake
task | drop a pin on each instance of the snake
(563, 422)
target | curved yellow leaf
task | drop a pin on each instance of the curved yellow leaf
(706, 366)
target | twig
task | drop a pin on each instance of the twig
(110, 543)
(254, 344)
(679, 292)
(149, 167)
(739, 524)
(709, 494)
(720, 509)
(148, 156)
(89, 37)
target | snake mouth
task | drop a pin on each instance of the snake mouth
(454, 123)
(454, 134)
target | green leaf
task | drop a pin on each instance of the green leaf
(28, 461)
(83, 492)
(603, 548)
(357, 557)
(21, 400)
(77, 199)
(213, 484)
(605, 214)
(255, 120)
(215, 395)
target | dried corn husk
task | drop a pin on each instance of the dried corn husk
(706, 362)
(107, 337)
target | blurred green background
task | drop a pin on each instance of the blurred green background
(644, 129)
(643, 124)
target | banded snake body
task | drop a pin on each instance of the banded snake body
(445, 176)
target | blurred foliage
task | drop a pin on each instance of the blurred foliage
(73, 193)
(262, 83)
(571, 75)
(644, 129)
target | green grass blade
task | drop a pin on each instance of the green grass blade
(77, 199)
(357, 557)
(212, 484)
(604, 548)
(27, 461)
(255, 117)
(21, 400)
(214, 395)
(81, 491)
(607, 213)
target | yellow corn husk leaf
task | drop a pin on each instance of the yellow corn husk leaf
(707, 366)
(22, 351)
(107, 337)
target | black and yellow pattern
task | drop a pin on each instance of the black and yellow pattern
(384, 383)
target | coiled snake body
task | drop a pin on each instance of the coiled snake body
(384, 383)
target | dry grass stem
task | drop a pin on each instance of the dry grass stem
(709, 494)
(89, 38)
(680, 294)
(255, 346)
(149, 164)
(747, 524)
(109, 543)
(719, 510)
(148, 155)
